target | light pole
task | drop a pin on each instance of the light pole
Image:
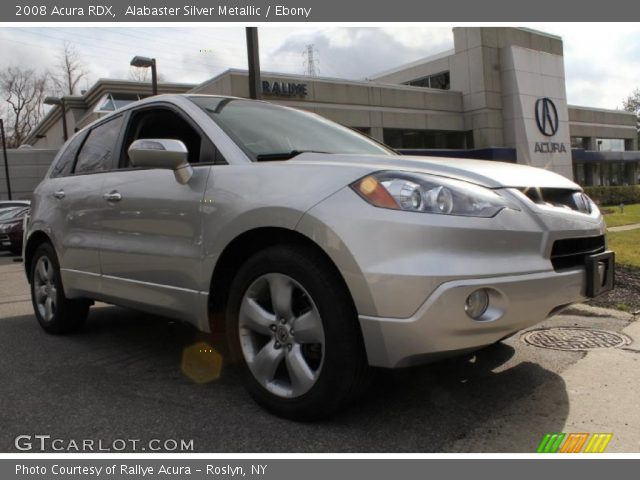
(146, 62)
(59, 101)
(253, 54)
(6, 160)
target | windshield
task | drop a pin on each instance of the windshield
(271, 132)
(12, 212)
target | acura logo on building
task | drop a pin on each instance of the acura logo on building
(546, 116)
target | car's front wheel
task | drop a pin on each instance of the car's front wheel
(294, 328)
(54, 311)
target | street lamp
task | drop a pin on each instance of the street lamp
(146, 62)
(253, 55)
(6, 160)
(59, 101)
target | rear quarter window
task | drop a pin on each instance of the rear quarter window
(64, 162)
(97, 152)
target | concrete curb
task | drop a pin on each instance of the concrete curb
(624, 228)
(582, 309)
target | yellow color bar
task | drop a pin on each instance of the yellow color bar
(598, 442)
(606, 441)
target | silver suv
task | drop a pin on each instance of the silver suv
(318, 251)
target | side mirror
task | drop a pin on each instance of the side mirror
(162, 153)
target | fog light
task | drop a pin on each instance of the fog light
(477, 303)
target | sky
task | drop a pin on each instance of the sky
(601, 60)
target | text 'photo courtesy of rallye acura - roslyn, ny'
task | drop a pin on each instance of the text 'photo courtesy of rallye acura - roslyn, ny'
(318, 252)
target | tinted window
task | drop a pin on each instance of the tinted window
(13, 213)
(165, 123)
(96, 154)
(64, 164)
(267, 131)
(439, 80)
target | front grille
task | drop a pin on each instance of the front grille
(571, 252)
(558, 198)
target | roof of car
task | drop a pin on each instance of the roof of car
(175, 97)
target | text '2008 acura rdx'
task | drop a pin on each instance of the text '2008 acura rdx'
(318, 251)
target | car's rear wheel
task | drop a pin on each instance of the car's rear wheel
(56, 313)
(294, 329)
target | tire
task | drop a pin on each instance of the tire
(293, 327)
(56, 313)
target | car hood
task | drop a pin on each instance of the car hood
(491, 174)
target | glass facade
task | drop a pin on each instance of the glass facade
(114, 101)
(606, 173)
(580, 142)
(440, 80)
(606, 168)
(610, 144)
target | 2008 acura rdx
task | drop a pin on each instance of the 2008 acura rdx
(320, 252)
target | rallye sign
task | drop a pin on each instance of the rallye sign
(284, 89)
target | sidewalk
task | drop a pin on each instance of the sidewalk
(624, 228)
(603, 388)
(15, 297)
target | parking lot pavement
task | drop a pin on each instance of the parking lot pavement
(121, 377)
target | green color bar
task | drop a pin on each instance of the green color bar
(558, 442)
(547, 449)
(544, 441)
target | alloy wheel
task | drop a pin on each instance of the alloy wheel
(281, 335)
(44, 287)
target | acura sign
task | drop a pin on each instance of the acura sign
(548, 123)
(546, 116)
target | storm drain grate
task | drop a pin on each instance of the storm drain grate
(575, 338)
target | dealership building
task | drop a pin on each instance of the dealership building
(500, 94)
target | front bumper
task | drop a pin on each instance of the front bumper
(5, 241)
(11, 240)
(441, 326)
(409, 274)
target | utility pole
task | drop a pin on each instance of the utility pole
(253, 57)
(311, 61)
(6, 160)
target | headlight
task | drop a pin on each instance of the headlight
(416, 192)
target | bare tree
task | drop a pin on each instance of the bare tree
(23, 92)
(141, 74)
(69, 70)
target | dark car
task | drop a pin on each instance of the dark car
(12, 228)
(14, 203)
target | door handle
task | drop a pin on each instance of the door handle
(112, 196)
(59, 194)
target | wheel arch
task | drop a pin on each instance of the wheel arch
(36, 239)
(241, 249)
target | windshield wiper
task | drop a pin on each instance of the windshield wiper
(266, 157)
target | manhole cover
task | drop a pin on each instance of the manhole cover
(575, 338)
